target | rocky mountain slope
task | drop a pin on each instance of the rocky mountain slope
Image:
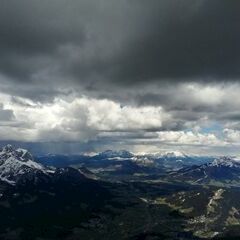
(223, 169)
(17, 166)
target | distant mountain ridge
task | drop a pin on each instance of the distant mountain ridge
(19, 166)
(128, 162)
(224, 169)
(114, 154)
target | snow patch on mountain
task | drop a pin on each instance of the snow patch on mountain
(17, 162)
(174, 154)
(116, 154)
(226, 161)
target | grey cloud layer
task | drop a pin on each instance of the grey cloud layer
(98, 44)
(6, 114)
(182, 56)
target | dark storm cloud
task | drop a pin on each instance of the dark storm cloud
(194, 40)
(171, 41)
(31, 29)
(135, 52)
(38, 27)
(120, 42)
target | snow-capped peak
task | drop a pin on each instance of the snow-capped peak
(18, 154)
(7, 149)
(174, 154)
(226, 161)
(169, 154)
(17, 162)
(115, 154)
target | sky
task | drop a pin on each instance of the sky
(146, 76)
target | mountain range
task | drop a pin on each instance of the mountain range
(117, 194)
(224, 169)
